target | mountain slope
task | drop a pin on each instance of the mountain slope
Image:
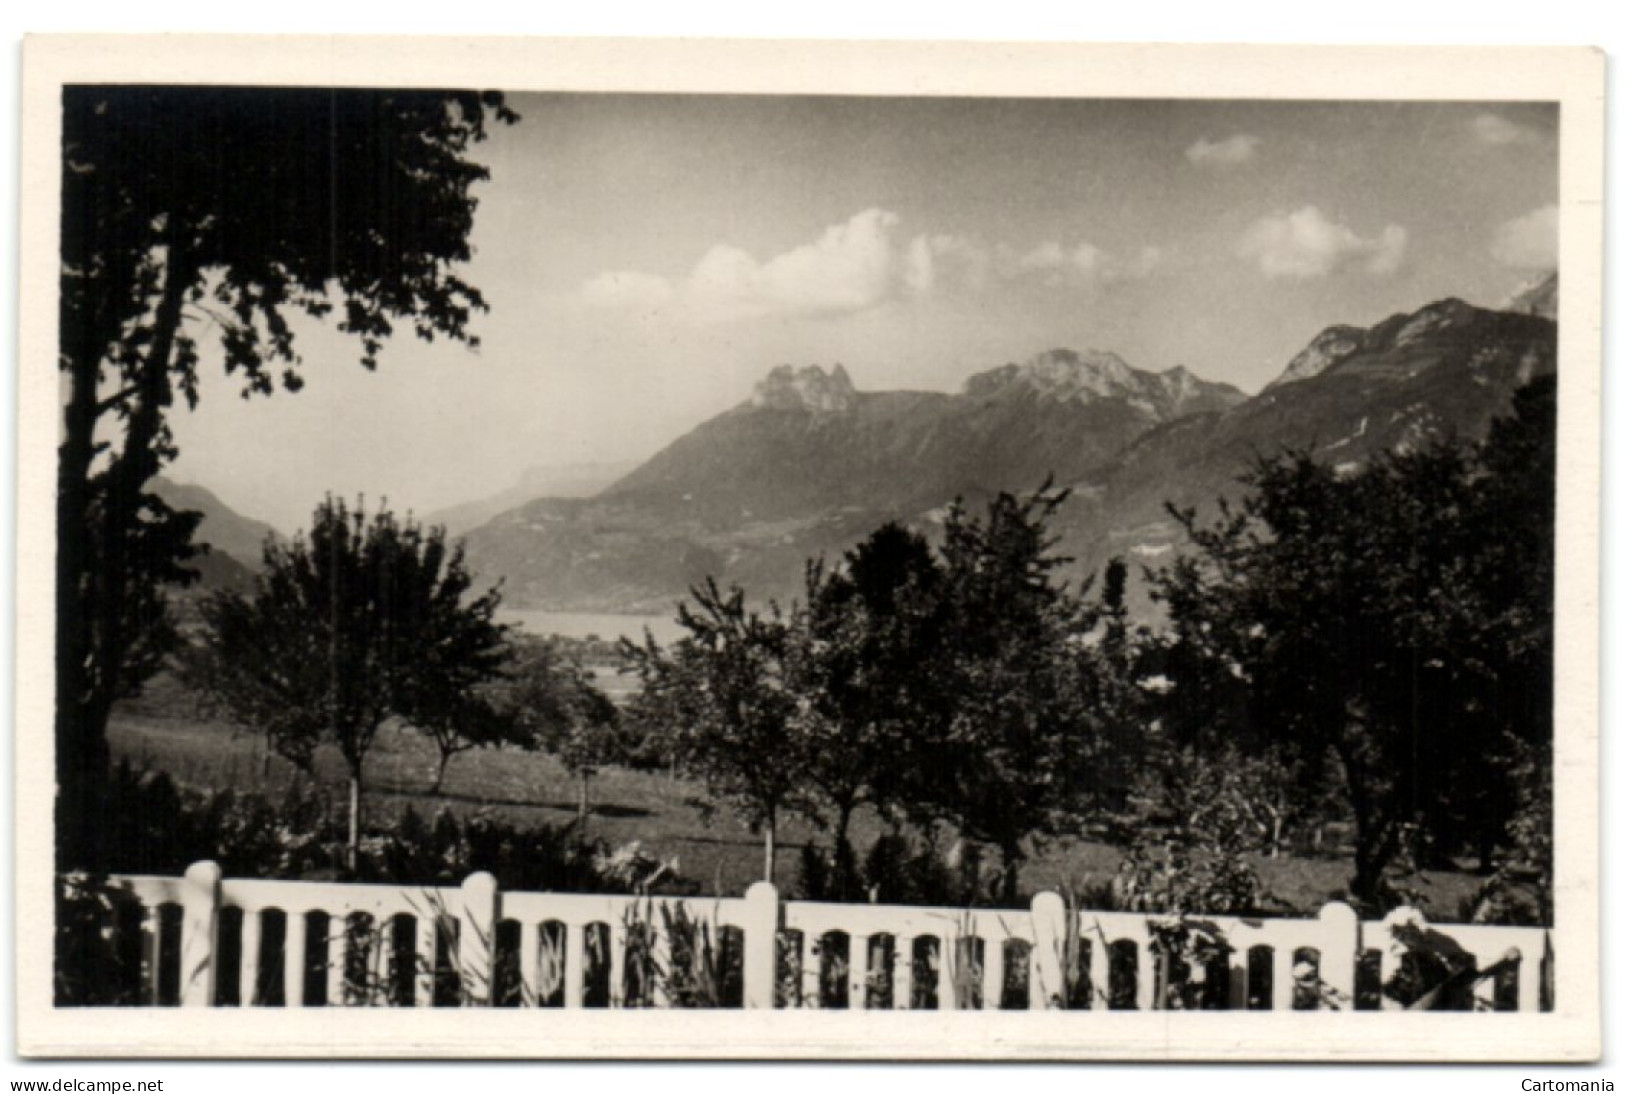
(234, 541)
(1445, 370)
(576, 480)
(809, 464)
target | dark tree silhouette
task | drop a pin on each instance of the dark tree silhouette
(1397, 620)
(1015, 741)
(193, 212)
(861, 660)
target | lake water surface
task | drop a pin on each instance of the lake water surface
(589, 624)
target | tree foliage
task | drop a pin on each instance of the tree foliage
(1019, 741)
(1395, 622)
(554, 704)
(220, 212)
(359, 622)
(718, 700)
(953, 685)
(862, 665)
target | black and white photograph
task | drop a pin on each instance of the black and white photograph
(776, 531)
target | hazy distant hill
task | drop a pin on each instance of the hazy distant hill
(575, 480)
(235, 540)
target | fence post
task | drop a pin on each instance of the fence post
(1340, 951)
(200, 925)
(761, 923)
(477, 939)
(1049, 938)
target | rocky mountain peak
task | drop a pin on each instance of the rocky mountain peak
(1326, 349)
(1538, 297)
(809, 388)
(1064, 375)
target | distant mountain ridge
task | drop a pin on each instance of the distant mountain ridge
(235, 542)
(573, 480)
(809, 464)
(1447, 369)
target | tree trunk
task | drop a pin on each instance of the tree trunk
(1010, 884)
(92, 585)
(769, 850)
(440, 773)
(76, 734)
(583, 804)
(846, 879)
(352, 854)
(1486, 849)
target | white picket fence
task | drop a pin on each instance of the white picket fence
(210, 941)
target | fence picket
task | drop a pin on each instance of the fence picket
(1145, 974)
(248, 976)
(426, 936)
(200, 930)
(1046, 980)
(992, 973)
(530, 955)
(152, 952)
(903, 979)
(337, 957)
(1528, 982)
(293, 959)
(617, 964)
(857, 954)
(575, 964)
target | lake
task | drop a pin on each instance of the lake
(588, 624)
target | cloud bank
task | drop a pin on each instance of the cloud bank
(1529, 241)
(1226, 153)
(1308, 244)
(1496, 131)
(863, 263)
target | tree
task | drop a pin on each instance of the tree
(1376, 618)
(554, 701)
(1014, 744)
(860, 663)
(718, 700)
(238, 208)
(462, 720)
(360, 622)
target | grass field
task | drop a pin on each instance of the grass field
(164, 731)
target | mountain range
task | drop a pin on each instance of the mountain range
(810, 464)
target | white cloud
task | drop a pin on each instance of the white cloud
(1306, 244)
(1226, 153)
(860, 264)
(1082, 264)
(851, 267)
(934, 262)
(1492, 129)
(1529, 241)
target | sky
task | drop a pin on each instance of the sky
(647, 259)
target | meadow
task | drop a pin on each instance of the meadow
(166, 730)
